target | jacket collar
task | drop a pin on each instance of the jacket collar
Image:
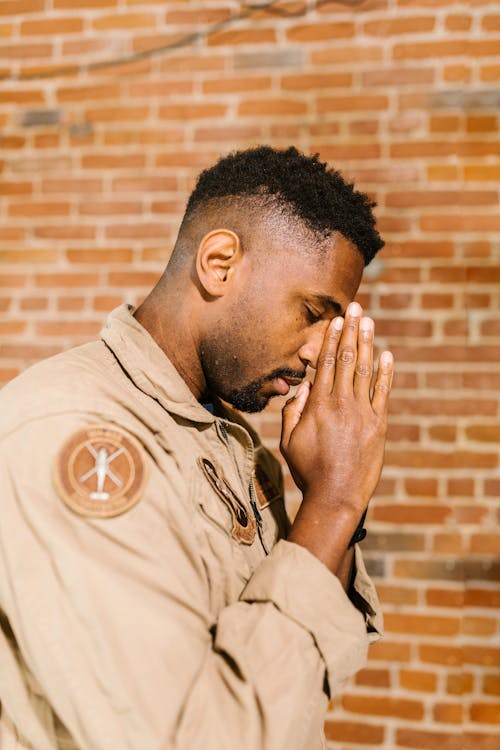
(148, 366)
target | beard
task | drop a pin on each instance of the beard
(249, 398)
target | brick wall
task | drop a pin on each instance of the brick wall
(108, 109)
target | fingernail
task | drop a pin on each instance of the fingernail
(386, 359)
(366, 327)
(354, 310)
(338, 323)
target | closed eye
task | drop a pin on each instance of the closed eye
(312, 315)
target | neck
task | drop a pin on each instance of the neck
(168, 317)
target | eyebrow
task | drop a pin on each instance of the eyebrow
(328, 302)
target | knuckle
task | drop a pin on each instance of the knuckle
(346, 355)
(363, 369)
(327, 359)
(382, 388)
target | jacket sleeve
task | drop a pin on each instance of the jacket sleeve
(113, 624)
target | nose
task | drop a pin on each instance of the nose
(310, 349)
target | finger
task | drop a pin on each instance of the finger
(383, 383)
(292, 412)
(364, 364)
(325, 368)
(347, 352)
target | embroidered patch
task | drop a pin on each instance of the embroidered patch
(267, 492)
(100, 471)
(244, 524)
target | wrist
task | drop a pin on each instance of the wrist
(325, 527)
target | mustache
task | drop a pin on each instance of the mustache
(286, 372)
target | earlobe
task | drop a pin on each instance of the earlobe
(218, 255)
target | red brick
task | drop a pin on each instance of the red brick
(40, 208)
(124, 21)
(98, 256)
(431, 50)
(460, 684)
(411, 679)
(336, 54)
(309, 81)
(56, 25)
(460, 487)
(422, 514)
(87, 93)
(487, 544)
(449, 655)
(12, 327)
(360, 733)
(352, 103)
(33, 303)
(396, 594)
(487, 657)
(485, 713)
(65, 232)
(480, 741)
(68, 328)
(230, 85)
(448, 713)
(321, 32)
(15, 7)
(374, 678)
(64, 186)
(390, 651)
(458, 22)
(47, 140)
(470, 514)
(479, 626)
(421, 624)
(344, 152)
(71, 4)
(28, 51)
(15, 188)
(197, 16)
(444, 597)
(448, 544)
(116, 114)
(65, 280)
(249, 35)
(17, 96)
(382, 706)
(109, 208)
(491, 684)
(397, 26)
(444, 124)
(28, 256)
(272, 107)
(133, 278)
(70, 303)
(426, 740)
(144, 185)
(113, 161)
(191, 111)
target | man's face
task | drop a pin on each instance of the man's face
(271, 324)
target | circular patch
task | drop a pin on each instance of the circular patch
(100, 472)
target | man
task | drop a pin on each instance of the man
(153, 593)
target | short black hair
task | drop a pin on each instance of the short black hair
(317, 195)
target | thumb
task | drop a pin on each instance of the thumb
(292, 412)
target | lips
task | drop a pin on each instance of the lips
(292, 382)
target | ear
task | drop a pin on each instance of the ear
(219, 254)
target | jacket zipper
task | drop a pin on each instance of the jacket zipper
(253, 500)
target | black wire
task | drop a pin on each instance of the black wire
(184, 41)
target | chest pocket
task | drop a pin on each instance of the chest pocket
(238, 519)
(275, 522)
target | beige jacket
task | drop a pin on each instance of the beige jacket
(146, 602)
